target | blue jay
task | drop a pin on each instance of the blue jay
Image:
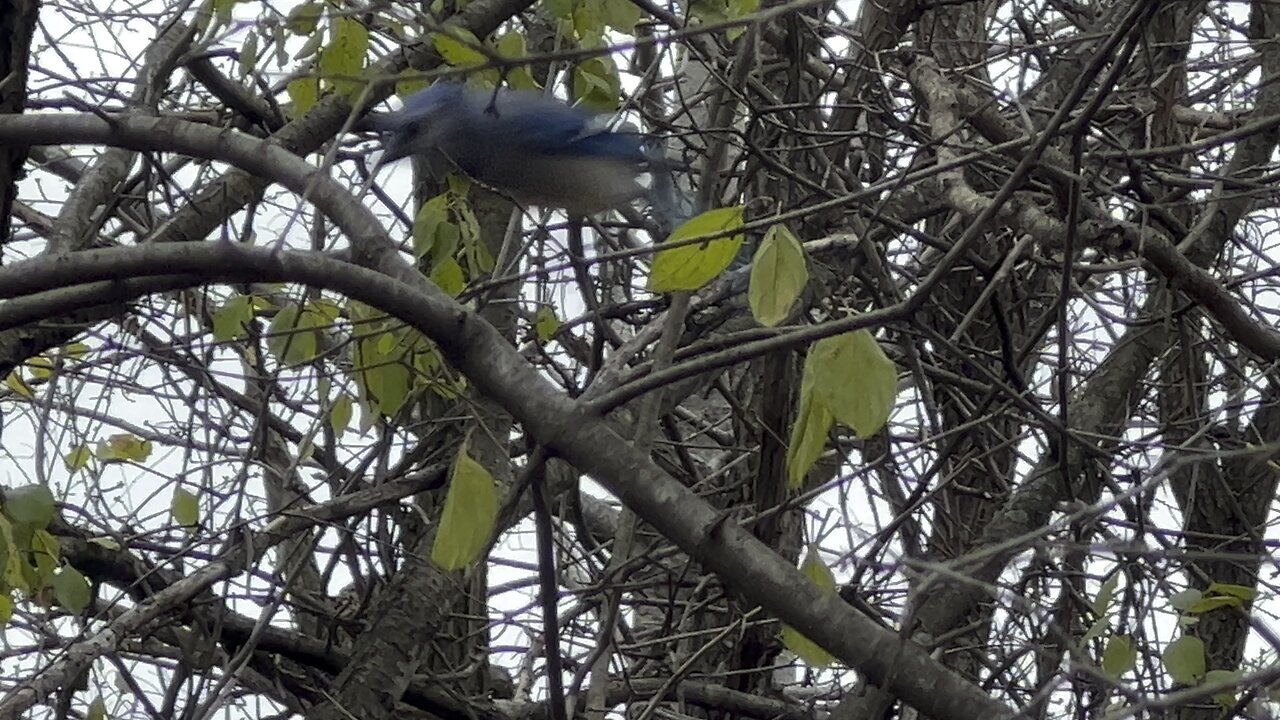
(534, 148)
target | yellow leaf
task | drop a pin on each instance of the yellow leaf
(810, 652)
(545, 323)
(447, 274)
(304, 18)
(343, 58)
(778, 275)
(124, 446)
(78, 458)
(855, 380)
(693, 265)
(40, 367)
(470, 511)
(458, 48)
(304, 92)
(15, 383)
(185, 507)
(808, 434)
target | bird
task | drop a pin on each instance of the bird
(534, 148)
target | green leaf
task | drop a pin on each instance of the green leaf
(123, 447)
(185, 507)
(545, 323)
(30, 505)
(447, 274)
(410, 82)
(292, 335)
(71, 589)
(470, 512)
(810, 652)
(597, 85)
(1209, 604)
(1229, 698)
(340, 413)
(430, 222)
(78, 458)
(778, 276)
(97, 710)
(1184, 660)
(303, 19)
(621, 15)
(1185, 599)
(231, 320)
(382, 373)
(855, 380)
(691, 266)
(342, 60)
(458, 47)
(304, 93)
(1106, 593)
(1119, 656)
(511, 46)
(248, 60)
(47, 552)
(1243, 592)
(6, 608)
(1095, 630)
(808, 434)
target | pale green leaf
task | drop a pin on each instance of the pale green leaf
(1228, 698)
(185, 507)
(692, 265)
(1105, 594)
(292, 336)
(1185, 599)
(1184, 660)
(810, 652)
(1213, 602)
(470, 512)
(231, 320)
(30, 505)
(71, 589)
(854, 379)
(1119, 656)
(778, 276)
(808, 435)
(97, 710)
(340, 413)
(303, 19)
(1243, 592)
